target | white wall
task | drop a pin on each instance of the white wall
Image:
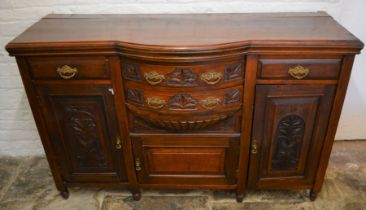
(352, 124)
(18, 135)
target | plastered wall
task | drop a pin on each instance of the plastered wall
(18, 134)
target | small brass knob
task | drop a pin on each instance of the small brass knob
(210, 102)
(298, 72)
(66, 72)
(211, 77)
(154, 77)
(155, 103)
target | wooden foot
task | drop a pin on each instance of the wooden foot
(240, 197)
(65, 194)
(136, 196)
(313, 195)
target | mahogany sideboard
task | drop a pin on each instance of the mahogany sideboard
(205, 101)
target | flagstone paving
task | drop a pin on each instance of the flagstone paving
(26, 184)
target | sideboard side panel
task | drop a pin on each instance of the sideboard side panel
(333, 122)
(40, 123)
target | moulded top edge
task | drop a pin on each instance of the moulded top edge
(188, 31)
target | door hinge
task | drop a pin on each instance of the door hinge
(138, 164)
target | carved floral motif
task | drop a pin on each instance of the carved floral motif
(181, 77)
(85, 133)
(232, 96)
(289, 138)
(182, 101)
(132, 72)
(135, 96)
(234, 71)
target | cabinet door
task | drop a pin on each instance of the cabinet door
(186, 161)
(83, 128)
(289, 127)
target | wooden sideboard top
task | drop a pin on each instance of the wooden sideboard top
(187, 31)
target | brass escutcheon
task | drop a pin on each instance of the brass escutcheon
(254, 147)
(118, 142)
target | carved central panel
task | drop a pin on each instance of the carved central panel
(182, 77)
(84, 133)
(182, 101)
(289, 138)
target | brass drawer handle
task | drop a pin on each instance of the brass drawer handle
(66, 72)
(155, 103)
(153, 77)
(254, 147)
(211, 77)
(298, 72)
(138, 164)
(118, 142)
(210, 102)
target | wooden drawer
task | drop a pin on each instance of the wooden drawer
(184, 101)
(296, 69)
(216, 74)
(181, 110)
(186, 160)
(69, 68)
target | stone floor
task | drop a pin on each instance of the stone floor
(26, 183)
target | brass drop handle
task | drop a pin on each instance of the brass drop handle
(254, 147)
(211, 77)
(66, 72)
(298, 72)
(155, 102)
(210, 102)
(153, 77)
(138, 164)
(118, 142)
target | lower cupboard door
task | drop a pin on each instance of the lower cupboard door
(290, 123)
(174, 160)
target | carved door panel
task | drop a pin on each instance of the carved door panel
(176, 160)
(83, 128)
(289, 127)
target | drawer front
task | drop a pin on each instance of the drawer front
(181, 101)
(182, 111)
(186, 160)
(69, 68)
(297, 69)
(216, 74)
